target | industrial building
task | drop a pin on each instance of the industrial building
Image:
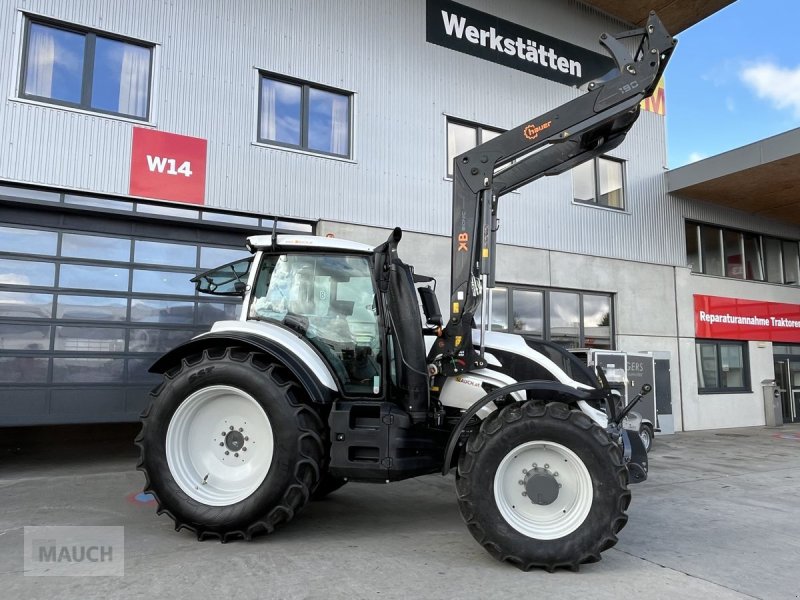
(143, 141)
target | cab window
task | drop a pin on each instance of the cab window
(330, 300)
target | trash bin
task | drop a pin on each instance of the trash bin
(772, 403)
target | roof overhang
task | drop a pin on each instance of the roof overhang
(676, 15)
(761, 178)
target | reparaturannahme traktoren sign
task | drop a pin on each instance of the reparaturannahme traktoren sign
(486, 36)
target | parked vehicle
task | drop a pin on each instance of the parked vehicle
(327, 378)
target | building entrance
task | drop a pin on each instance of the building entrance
(787, 378)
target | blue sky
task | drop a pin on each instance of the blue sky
(734, 79)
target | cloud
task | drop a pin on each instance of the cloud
(695, 156)
(779, 85)
(730, 104)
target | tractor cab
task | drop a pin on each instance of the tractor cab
(340, 296)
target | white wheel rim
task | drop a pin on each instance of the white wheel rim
(219, 445)
(543, 521)
(644, 435)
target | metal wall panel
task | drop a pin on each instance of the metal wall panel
(206, 84)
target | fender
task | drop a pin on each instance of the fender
(462, 391)
(546, 390)
(313, 374)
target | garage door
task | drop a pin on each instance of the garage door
(89, 300)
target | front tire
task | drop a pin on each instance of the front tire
(542, 486)
(647, 435)
(230, 446)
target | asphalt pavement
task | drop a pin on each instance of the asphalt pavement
(718, 518)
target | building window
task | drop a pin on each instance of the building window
(726, 252)
(463, 136)
(572, 319)
(722, 367)
(297, 114)
(71, 67)
(599, 181)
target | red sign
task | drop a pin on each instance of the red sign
(737, 319)
(168, 166)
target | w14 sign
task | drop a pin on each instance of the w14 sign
(168, 166)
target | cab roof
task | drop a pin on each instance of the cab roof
(315, 242)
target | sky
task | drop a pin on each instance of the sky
(734, 79)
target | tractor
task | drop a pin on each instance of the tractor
(332, 374)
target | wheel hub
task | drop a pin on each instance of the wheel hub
(234, 441)
(541, 486)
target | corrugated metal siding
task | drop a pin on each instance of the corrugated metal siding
(206, 86)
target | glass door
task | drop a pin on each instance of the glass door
(787, 378)
(794, 396)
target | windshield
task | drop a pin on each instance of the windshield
(330, 300)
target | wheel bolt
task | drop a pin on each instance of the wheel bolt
(236, 455)
(224, 433)
(241, 429)
(226, 453)
(231, 427)
(244, 449)
(524, 493)
(559, 485)
(524, 471)
(521, 482)
(534, 465)
(547, 466)
(221, 444)
(246, 439)
(555, 474)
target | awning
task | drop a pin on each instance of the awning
(761, 178)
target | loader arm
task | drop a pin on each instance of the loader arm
(549, 144)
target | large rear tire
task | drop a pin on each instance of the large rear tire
(230, 446)
(543, 486)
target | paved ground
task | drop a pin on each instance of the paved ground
(719, 518)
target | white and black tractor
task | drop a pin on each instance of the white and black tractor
(332, 374)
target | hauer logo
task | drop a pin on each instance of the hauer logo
(531, 132)
(168, 166)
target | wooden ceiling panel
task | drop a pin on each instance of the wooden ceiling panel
(677, 15)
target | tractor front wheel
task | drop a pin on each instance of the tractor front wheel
(542, 486)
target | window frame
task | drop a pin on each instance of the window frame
(546, 303)
(479, 128)
(90, 36)
(760, 241)
(746, 387)
(595, 162)
(305, 91)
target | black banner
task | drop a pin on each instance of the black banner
(486, 36)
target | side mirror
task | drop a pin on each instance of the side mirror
(430, 306)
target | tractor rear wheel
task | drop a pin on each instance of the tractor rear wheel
(229, 446)
(543, 486)
(327, 485)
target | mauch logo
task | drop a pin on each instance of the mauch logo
(49, 551)
(531, 132)
(74, 551)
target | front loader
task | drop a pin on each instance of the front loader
(331, 374)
